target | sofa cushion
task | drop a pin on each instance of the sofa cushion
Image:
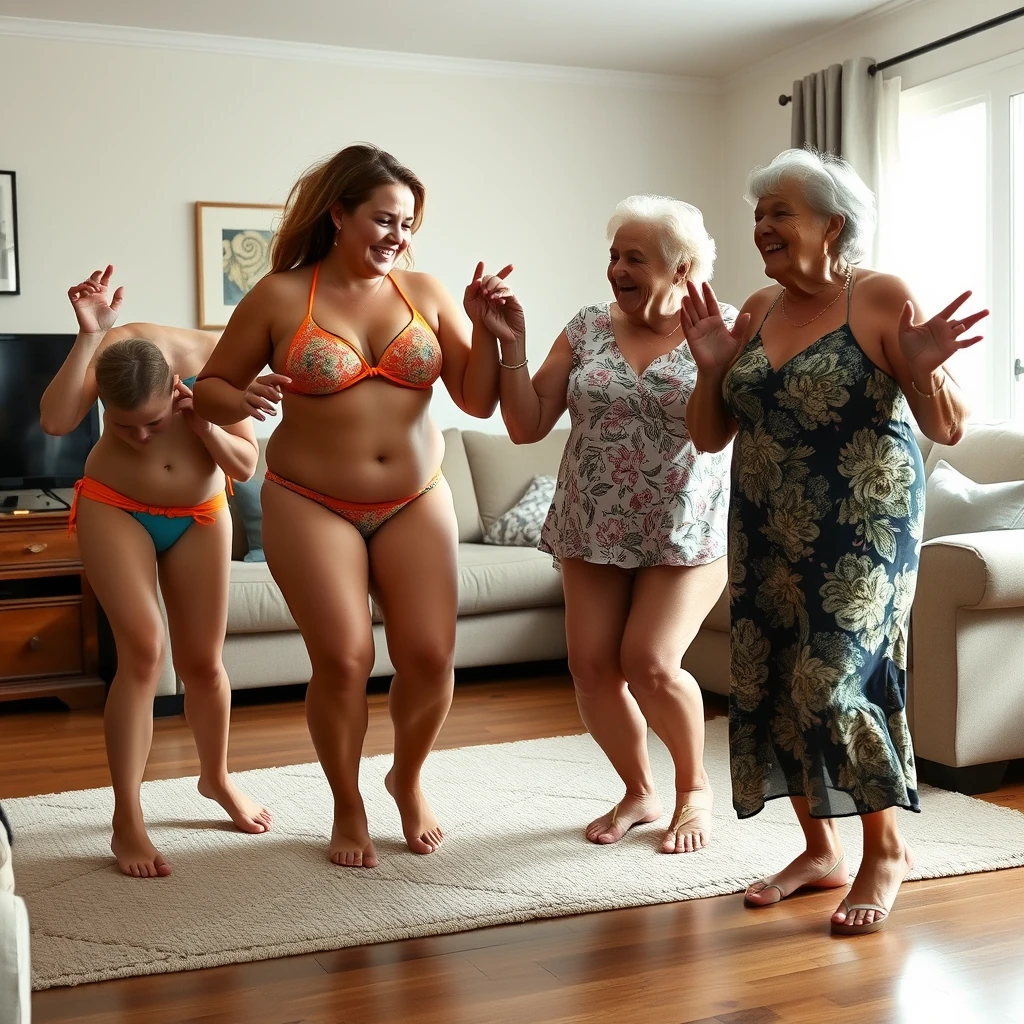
(956, 504)
(495, 579)
(239, 539)
(988, 453)
(502, 471)
(456, 471)
(255, 602)
(521, 525)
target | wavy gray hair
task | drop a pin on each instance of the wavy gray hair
(682, 236)
(831, 186)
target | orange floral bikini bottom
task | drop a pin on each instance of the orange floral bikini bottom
(366, 517)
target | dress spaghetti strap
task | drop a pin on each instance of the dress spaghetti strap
(769, 313)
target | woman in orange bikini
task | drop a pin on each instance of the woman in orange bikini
(355, 501)
(152, 502)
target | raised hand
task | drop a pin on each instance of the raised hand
(491, 304)
(713, 346)
(183, 405)
(89, 299)
(263, 394)
(928, 345)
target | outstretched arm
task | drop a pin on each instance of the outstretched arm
(918, 350)
(714, 348)
(72, 392)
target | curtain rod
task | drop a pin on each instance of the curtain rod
(919, 51)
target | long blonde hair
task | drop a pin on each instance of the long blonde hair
(307, 231)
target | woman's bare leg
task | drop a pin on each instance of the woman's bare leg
(319, 561)
(414, 567)
(597, 602)
(669, 605)
(194, 580)
(120, 563)
(885, 864)
(821, 865)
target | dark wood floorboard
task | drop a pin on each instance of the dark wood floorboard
(954, 950)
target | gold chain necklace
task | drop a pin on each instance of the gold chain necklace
(849, 275)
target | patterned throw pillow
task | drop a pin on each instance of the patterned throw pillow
(520, 526)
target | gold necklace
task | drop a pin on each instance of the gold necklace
(849, 275)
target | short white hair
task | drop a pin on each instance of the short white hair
(682, 236)
(831, 186)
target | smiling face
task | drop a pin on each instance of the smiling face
(792, 237)
(376, 233)
(137, 427)
(642, 280)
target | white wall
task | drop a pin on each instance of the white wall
(758, 128)
(112, 145)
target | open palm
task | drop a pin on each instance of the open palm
(926, 346)
(95, 312)
(713, 346)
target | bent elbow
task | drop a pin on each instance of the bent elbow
(53, 427)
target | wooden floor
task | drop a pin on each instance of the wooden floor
(954, 950)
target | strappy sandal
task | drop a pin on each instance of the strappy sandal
(765, 885)
(686, 814)
(860, 929)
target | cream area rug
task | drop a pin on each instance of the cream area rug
(513, 814)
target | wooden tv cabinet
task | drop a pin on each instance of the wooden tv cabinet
(48, 615)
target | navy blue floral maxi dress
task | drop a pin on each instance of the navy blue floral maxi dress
(825, 527)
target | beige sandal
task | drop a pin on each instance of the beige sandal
(860, 929)
(686, 814)
(765, 884)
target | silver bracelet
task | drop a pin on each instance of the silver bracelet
(932, 394)
(511, 366)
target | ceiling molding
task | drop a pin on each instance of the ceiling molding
(757, 72)
(242, 46)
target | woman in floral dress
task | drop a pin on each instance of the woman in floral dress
(638, 522)
(826, 521)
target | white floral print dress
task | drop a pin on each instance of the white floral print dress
(825, 532)
(632, 489)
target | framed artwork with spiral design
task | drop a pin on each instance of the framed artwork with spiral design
(232, 254)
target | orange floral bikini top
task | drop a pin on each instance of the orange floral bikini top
(321, 363)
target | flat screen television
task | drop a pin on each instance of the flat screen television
(30, 458)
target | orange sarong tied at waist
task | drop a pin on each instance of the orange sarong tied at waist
(204, 513)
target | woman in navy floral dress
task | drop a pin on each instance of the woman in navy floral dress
(826, 520)
(638, 521)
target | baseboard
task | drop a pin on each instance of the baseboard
(168, 705)
(971, 780)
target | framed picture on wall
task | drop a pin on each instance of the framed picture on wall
(10, 277)
(232, 254)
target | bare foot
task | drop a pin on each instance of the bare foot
(629, 811)
(350, 839)
(135, 854)
(247, 815)
(821, 870)
(422, 832)
(874, 891)
(691, 822)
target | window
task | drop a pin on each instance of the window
(959, 221)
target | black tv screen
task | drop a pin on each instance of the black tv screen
(30, 458)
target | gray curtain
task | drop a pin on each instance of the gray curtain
(836, 111)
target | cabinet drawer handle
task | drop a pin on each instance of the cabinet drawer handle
(34, 549)
(35, 643)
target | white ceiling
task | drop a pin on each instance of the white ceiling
(703, 38)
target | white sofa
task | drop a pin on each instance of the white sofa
(966, 689)
(15, 967)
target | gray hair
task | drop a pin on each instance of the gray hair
(831, 186)
(682, 236)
